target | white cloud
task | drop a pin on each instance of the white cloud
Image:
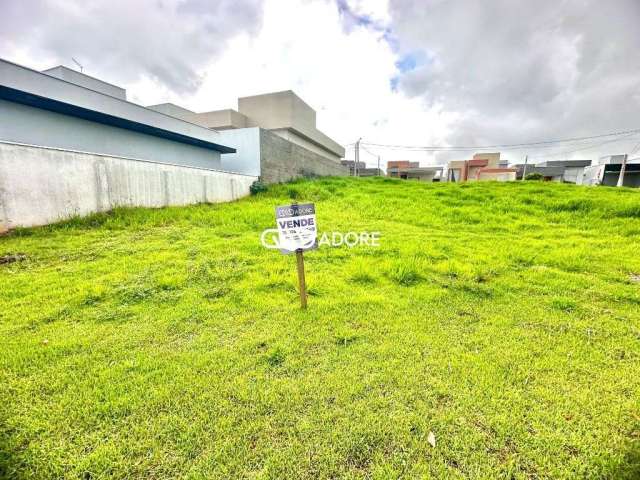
(525, 71)
(412, 72)
(344, 75)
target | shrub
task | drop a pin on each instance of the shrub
(534, 176)
(258, 187)
(293, 193)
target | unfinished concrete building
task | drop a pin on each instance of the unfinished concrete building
(275, 136)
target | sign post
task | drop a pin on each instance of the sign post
(302, 285)
(297, 232)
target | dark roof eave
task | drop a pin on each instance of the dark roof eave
(57, 106)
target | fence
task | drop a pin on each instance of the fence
(41, 185)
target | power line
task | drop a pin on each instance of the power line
(626, 137)
(369, 151)
(540, 144)
(466, 149)
(635, 149)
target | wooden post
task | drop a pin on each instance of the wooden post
(301, 282)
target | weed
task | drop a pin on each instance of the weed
(405, 274)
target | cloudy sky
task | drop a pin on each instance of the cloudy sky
(395, 72)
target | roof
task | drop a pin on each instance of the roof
(30, 87)
(498, 170)
(565, 163)
(87, 81)
(550, 171)
(424, 169)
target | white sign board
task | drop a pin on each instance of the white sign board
(297, 229)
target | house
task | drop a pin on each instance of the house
(275, 135)
(572, 169)
(549, 173)
(413, 171)
(363, 170)
(483, 166)
(71, 144)
(398, 168)
(568, 171)
(607, 172)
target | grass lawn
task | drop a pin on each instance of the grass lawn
(504, 319)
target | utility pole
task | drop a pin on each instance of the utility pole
(378, 172)
(623, 167)
(355, 165)
(524, 169)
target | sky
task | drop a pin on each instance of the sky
(394, 72)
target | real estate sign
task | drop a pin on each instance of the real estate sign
(297, 228)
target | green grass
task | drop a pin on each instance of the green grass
(156, 344)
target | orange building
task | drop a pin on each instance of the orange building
(483, 166)
(398, 168)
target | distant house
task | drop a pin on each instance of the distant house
(548, 173)
(483, 166)
(275, 136)
(413, 171)
(363, 170)
(572, 169)
(568, 171)
(607, 172)
(398, 168)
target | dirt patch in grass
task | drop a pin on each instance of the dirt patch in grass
(12, 258)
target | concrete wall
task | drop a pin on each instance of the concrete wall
(35, 126)
(43, 185)
(631, 179)
(573, 175)
(283, 111)
(278, 110)
(592, 175)
(73, 76)
(246, 160)
(290, 135)
(221, 119)
(492, 158)
(174, 110)
(497, 176)
(282, 160)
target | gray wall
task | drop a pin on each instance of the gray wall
(43, 185)
(246, 141)
(24, 124)
(631, 179)
(282, 160)
(573, 174)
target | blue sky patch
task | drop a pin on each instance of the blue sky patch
(411, 61)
